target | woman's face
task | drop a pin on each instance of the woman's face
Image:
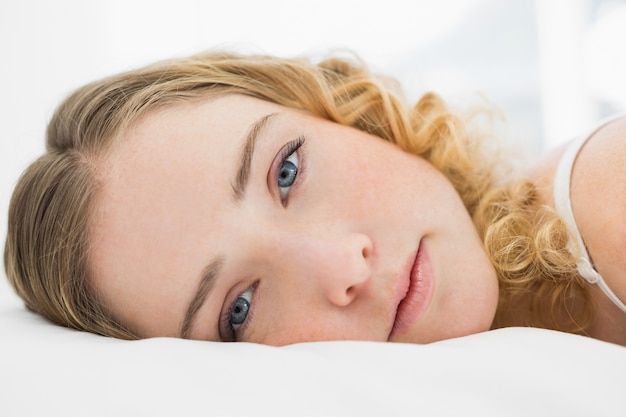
(239, 219)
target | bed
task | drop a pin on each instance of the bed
(49, 370)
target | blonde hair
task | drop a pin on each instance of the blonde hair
(527, 243)
(47, 248)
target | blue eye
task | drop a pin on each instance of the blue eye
(240, 308)
(287, 174)
(288, 169)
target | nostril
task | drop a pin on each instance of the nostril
(351, 292)
(367, 248)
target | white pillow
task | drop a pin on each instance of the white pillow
(48, 371)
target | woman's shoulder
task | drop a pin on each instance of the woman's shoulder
(598, 194)
(597, 197)
(598, 177)
(593, 167)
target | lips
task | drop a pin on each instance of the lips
(415, 290)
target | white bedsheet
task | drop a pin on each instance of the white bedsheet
(51, 371)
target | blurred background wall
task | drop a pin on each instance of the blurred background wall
(550, 67)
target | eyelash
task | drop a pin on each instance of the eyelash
(232, 335)
(288, 150)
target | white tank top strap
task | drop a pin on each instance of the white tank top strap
(563, 206)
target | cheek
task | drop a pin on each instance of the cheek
(297, 321)
(360, 173)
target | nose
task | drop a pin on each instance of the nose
(340, 267)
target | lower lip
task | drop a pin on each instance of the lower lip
(418, 295)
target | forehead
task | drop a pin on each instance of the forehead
(210, 117)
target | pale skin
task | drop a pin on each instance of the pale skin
(334, 235)
(598, 193)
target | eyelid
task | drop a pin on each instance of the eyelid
(294, 146)
(224, 319)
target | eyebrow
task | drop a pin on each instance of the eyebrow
(243, 173)
(207, 280)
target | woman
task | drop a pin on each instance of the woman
(252, 199)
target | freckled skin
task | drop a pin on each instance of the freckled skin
(327, 262)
